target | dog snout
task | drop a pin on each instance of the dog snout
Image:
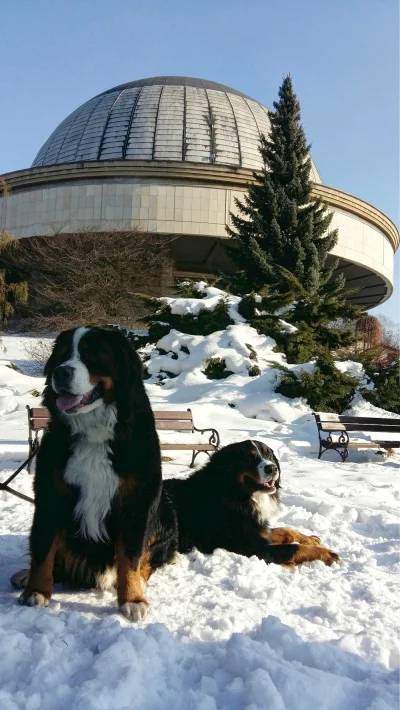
(270, 469)
(63, 375)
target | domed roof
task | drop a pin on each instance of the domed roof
(168, 118)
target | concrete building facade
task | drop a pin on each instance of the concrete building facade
(169, 155)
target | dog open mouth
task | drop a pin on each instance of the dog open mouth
(269, 486)
(73, 403)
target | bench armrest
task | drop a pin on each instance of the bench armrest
(214, 439)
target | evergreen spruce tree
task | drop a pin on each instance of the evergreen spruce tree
(279, 223)
(281, 243)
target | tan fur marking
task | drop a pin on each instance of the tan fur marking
(73, 569)
(307, 553)
(106, 381)
(129, 588)
(41, 576)
(145, 567)
(282, 536)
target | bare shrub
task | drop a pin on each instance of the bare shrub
(86, 277)
(38, 352)
(391, 331)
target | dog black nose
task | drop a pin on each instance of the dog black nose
(271, 469)
(63, 375)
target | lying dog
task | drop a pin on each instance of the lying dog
(229, 503)
(98, 504)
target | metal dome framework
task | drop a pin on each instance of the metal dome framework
(165, 119)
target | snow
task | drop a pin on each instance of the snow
(211, 298)
(224, 632)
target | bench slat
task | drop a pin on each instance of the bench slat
(172, 415)
(363, 445)
(39, 413)
(377, 428)
(187, 447)
(37, 424)
(333, 426)
(369, 445)
(342, 419)
(174, 426)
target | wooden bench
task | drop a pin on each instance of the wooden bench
(336, 428)
(39, 417)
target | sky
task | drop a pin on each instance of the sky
(343, 56)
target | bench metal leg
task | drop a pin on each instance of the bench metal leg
(5, 487)
(340, 446)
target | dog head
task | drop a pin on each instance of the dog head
(89, 367)
(249, 466)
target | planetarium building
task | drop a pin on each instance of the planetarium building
(169, 155)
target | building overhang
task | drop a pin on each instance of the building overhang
(224, 175)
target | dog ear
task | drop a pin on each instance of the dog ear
(62, 341)
(129, 388)
(49, 366)
(49, 397)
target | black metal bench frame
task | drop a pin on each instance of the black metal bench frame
(336, 428)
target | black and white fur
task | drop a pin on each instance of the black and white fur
(99, 514)
(229, 503)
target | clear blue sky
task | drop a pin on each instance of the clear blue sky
(343, 56)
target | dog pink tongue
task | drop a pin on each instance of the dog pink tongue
(67, 401)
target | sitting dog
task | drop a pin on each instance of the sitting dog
(100, 518)
(229, 502)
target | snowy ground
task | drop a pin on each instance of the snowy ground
(224, 631)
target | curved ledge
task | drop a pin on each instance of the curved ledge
(186, 172)
(343, 200)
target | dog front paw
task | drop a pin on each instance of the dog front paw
(20, 579)
(330, 557)
(33, 599)
(134, 611)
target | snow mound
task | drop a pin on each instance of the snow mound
(91, 665)
(211, 297)
(224, 632)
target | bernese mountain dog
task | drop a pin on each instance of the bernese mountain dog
(100, 517)
(229, 502)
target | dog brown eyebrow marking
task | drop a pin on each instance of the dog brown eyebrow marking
(106, 381)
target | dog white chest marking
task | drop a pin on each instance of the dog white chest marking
(89, 468)
(266, 506)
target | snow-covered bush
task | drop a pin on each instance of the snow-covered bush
(205, 310)
(203, 334)
(216, 369)
(386, 392)
(326, 389)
